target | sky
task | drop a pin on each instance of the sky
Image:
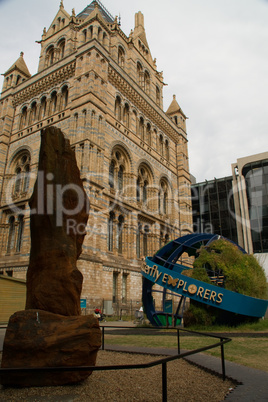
(214, 58)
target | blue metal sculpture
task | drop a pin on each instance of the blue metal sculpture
(163, 269)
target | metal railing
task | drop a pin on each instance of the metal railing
(163, 362)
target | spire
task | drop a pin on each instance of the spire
(174, 111)
(19, 65)
(173, 107)
(61, 4)
(139, 30)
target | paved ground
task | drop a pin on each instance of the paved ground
(253, 384)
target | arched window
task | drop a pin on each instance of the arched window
(22, 174)
(18, 79)
(92, 122)
(84, 35)
(111, 174)
(43, 108)
(100, 124)
(157, 95)
(23, 117)
(33, 111)
(143, 181)
(167, 149)
(145, 240)
(138, 190)
(11, 234)
(50, 55)
(100, 36)
(138, 240)
(121, 57)
(54, 102)
(64, 97)
(61, 46)
(111, 231)
(148, 134)
(117, 108)
(75, 121)
(120, 227)
(90, 32)
(119, 166)
(144, 193)
(84, 117)
(147, 82)
(26, 178)
(20, 233)
(135, 118)
(18, 180)
(141, 128)
(126, 115)
(121, 179)
(163, 198)
(139, 74)
(105, 40)
(161, 145)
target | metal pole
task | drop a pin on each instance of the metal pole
(164, 382)
(102, 339)
(222, 361)
(178, 339)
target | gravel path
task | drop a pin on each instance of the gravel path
(185, 383)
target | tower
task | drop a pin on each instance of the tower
(102, 88)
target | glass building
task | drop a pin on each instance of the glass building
(251, 198)
(236, 207)
(213, 208)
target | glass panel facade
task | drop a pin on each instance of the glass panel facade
(213, 208)
(256, 177)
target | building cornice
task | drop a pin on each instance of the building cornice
(157, 116)
(44, 83)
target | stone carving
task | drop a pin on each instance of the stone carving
(51, 332)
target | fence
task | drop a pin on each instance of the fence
(163, 362)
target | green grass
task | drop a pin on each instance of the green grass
(259, 326)
(247, 351)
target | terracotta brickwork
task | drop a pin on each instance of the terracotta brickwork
(102, 88)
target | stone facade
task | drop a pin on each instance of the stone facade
(103, 90)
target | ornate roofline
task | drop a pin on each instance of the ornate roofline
(156, 116)
(45, 83)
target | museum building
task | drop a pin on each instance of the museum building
(103, 90)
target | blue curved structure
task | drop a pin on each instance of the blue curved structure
(163, 269)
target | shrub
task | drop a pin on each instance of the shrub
(242, 273)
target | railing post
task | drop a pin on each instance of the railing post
(222, 361)
(102, 339)
(178, 339)
(164, 382)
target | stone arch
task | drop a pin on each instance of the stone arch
(164, 195)
(20, 168)
(121, 56)
(147, 82)
(144, 181)
(50, 54)
(61, 46)
(119, 167)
